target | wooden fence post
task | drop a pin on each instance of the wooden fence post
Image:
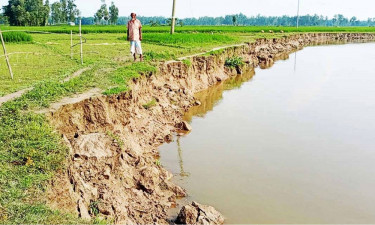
(71, 44)
(80, 37)
(6, 55)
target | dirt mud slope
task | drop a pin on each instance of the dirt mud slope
(113, 168)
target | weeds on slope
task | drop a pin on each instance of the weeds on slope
(122, 75)
(30, 154)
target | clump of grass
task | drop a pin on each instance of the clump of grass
(187, 62)
(150, 104)
(99, 220)
(154, 56)
(116, 138)
(216, 52)
(17, 36)
(158, 163)
(115, 90)
(233, 62)
(94, 208)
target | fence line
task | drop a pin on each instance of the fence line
(48, 54)
(82, 40)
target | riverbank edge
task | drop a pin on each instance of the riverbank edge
(113, 169)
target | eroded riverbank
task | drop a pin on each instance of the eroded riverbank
(113, 168)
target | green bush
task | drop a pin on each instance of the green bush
(233, 62)
(17, 36)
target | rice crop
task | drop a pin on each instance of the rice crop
(17, 36)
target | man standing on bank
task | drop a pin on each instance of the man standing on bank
(135, 36)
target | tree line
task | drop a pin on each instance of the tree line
(26, 12)
(242, 20)
(41, 13)
(64, 11)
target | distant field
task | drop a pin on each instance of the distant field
(187, 29)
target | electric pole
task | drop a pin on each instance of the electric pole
(173, 17)
(298, 15)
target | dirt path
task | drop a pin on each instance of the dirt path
(72, 100)
(12, 96)
(77, 74)
(214, 49)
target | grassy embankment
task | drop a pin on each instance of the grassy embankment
(30, 151)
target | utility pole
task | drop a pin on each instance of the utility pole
(173, 17)
(298, 15)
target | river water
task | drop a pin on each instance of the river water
(294, 143)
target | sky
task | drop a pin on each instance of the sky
(362, 9)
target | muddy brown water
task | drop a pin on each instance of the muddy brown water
(291, 144)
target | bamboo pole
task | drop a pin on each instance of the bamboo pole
(71, 44)
(6, 55)
(173, 17)
(80, 37)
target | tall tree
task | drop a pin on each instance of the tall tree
(56, 12)
(353, 21)
(45, 13)
(72, 11)
(113, 13)
(64, 11)
(105, 12)
(234, 20)
(3, 19)
(102, 14)
(98, 16)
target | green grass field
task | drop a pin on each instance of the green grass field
(30, 151)
(47, 56)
